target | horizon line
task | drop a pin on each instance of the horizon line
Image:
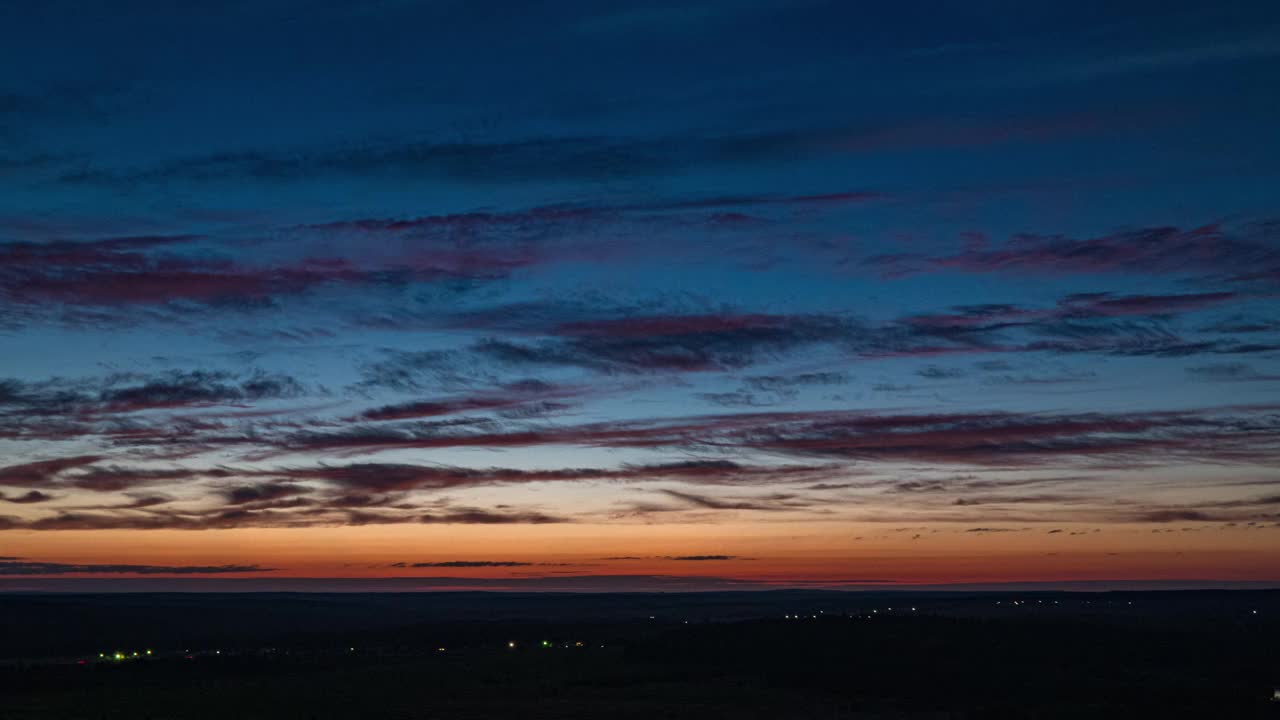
(582, 585)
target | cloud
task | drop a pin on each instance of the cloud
(1099, 323)
(746, 399)
(91, 399)
(576, 158)
(977, 438)
(32, 496)
(395, 477)
(768, 390)
(41, 473)
(1241, 510)
(1128, 340)
(997, 438)
(469, 564)
(1061, 376)
(559, 583)
(143, 409)
(137, 502)
(1057, 499)
(699, 558)
(607, 337)
(388, 477)
(1226, 372)
(246, 494)
(26, 567)
(121, 252)
(711, 503)
(528, 394)
(1246, 254)
(721, 472)
(169, 278)
(1242, 324)
(185, 272)
(1167, 516)
(541, 159)
(196, 388)
(294, 513)
(115, 478)
(1107, 305)
(484, 517)
(833, 486)
(933, 372)
(638, 342)
(780, 382)
(672, 343)
(76, 520)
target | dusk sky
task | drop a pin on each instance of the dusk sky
(586, 295)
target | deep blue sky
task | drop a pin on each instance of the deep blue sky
(666, 279)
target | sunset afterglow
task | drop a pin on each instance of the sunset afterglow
(585, 300)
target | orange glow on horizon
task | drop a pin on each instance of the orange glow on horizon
(825, 554)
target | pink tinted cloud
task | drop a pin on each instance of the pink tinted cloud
(1247, 253)
(672, 325)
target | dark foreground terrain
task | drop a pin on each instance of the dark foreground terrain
(707, 655)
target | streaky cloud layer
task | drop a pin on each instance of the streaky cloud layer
(812, 295)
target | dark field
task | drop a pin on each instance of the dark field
(706, 655)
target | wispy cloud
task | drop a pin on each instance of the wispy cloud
(31, 567)
(1241, 255)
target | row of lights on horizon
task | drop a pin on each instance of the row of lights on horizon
(512, 644)
(822, 613)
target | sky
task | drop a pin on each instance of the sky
(655, 295)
